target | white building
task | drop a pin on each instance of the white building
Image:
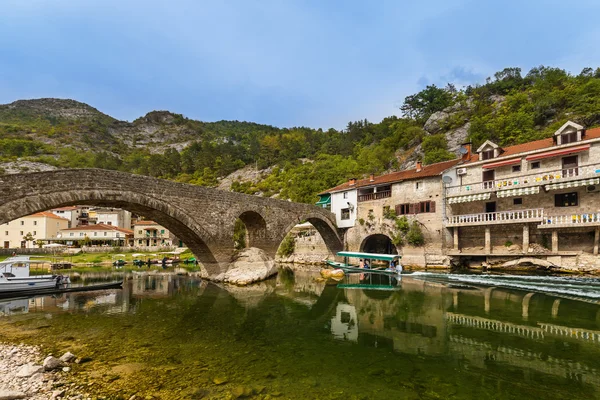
(98, 234)
(113, 217)
(149, 233)
(40, 226)
(71, 213)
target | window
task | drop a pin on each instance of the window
(426, 207)
(95, 233)
(345, 195)
(21, 233)
(516, 168)
(570, 137)
(34, 222)
(418, 185)
(71, 234)
(22, 223)
(6, 233)
(80, 233)
(535, 165)
(109, 223)
(140, 241)
(345, 213)
(402, 209)
(34, 233)
(487, 154)
(140, 232)
(162, 231)
(565, 199)
(105, 234)
(517, 201)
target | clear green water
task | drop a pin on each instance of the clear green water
(429, 336)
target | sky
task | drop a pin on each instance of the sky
(285, 63)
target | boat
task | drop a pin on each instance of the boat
(355, 268)
(15, 277)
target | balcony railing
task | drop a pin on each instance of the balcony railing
(571, 220)
(501, 217)
(375, 196)
(535, 179)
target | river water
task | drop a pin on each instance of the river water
(425, 336)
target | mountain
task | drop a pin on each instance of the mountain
(296, 163)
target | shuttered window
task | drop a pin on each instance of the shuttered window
(416, 208)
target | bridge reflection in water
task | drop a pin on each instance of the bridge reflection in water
(495, 336)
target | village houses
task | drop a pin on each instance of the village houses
(538, 198)
(38, 226)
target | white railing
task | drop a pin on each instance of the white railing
(501, 217)
(571, 219)
(539, 178)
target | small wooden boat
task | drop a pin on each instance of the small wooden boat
(60, 289)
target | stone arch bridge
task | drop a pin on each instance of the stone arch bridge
(203, 218)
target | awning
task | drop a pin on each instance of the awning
(561, 152)
(518, 192)
(470, 197)
(324, 199)
(570, 184)
(514, 161)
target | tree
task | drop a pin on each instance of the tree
(28, 238)
(420, 106)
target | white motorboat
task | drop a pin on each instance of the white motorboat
(14, 276)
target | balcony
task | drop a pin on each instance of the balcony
(571, 220)
(496, 218)
(529, 180)
(375, 196)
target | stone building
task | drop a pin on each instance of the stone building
(538, 198)
(415, 194)
(41, 226)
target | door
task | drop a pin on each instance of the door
(488, 179)
(6, 245)
(491, 208)
(569, 166)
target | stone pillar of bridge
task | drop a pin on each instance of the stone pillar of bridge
(525, 238)
(555, 241)
(455, 238)
(596, 240)
(488, 240)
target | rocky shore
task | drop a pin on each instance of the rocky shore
(26, 374)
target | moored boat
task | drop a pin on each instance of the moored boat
(15, 276)
(393, 260)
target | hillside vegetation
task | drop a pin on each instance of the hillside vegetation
(509, 108)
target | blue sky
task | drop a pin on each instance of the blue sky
(285, 63)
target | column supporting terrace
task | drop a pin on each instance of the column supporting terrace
(488, 240)
(555, 241)
(596, 240)
(455, 237)
(525, 238)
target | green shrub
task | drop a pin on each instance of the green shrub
(415, 237)
(287, 247)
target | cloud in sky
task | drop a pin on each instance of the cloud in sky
(286, 63)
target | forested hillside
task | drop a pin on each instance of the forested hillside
(508, 108)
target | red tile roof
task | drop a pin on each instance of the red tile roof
(145, 223)
(425, 172)
(541, 144)
(47, 214)
(438, 168)
(67, 208)
(99, 227)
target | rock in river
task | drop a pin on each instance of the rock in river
(51, 363)
(250, 265)
(11, 395)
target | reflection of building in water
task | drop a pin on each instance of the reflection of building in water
(345, 323)
(300, 286)
(11, 307)
(493, 330)
(153, 285)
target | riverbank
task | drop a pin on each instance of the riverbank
(24, 375)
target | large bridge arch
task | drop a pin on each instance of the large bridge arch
(182, 225)
(203, 218)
